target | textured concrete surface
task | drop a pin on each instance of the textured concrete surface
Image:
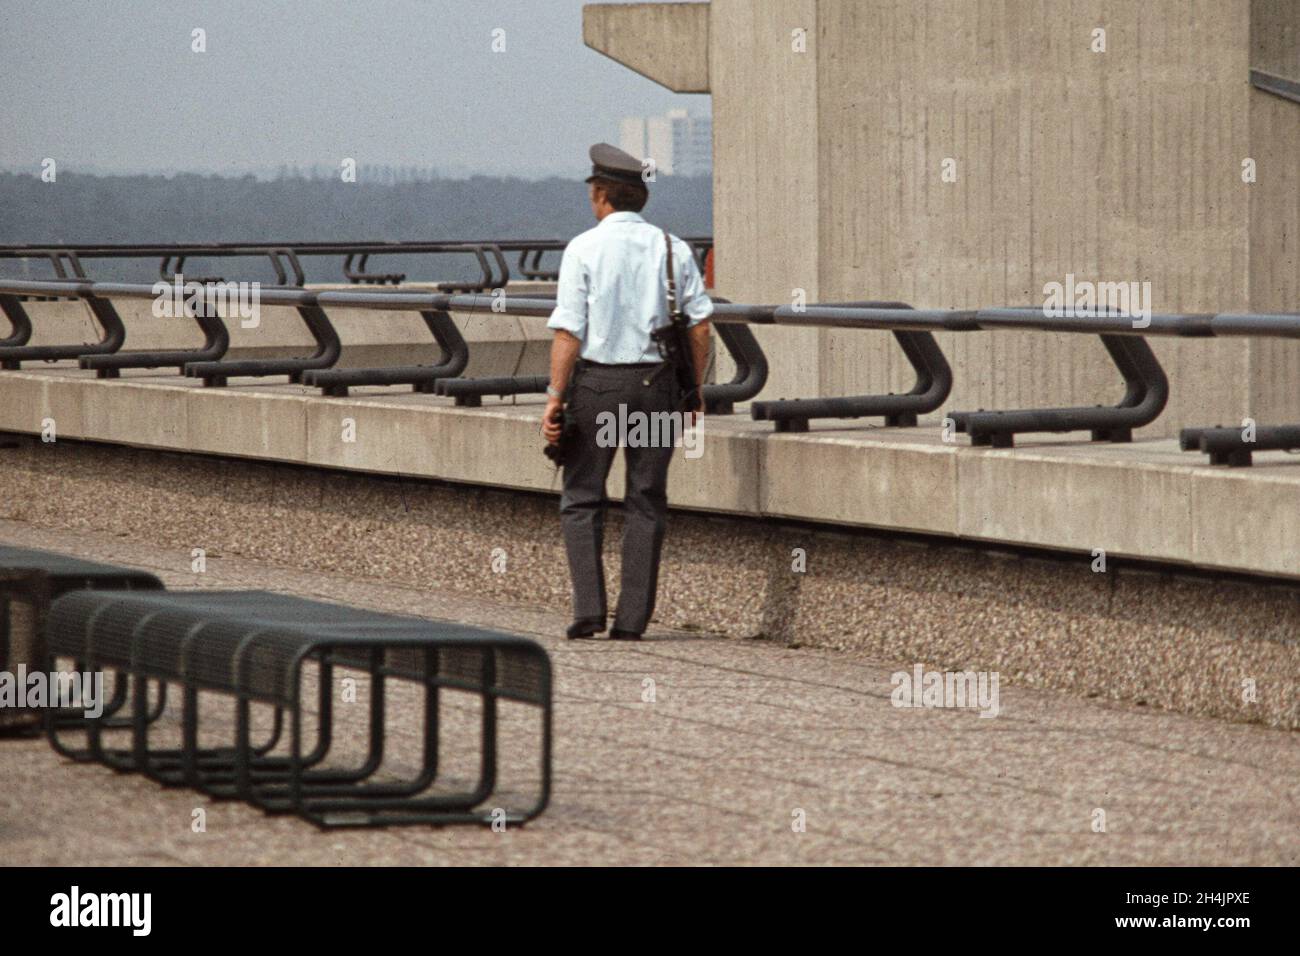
(741, 739)
(767, 211)
(1115, 166)
(664, 42)
(1194, 645)
(1144, 500)
(1275, 210)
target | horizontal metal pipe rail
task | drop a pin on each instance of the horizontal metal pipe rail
(1136, 408)
(285, 257)
(1199, 325)
(469, 392)
(169, 271)
(1234, 447)
(154, 249)
(315, 369)
(1144, 398)
(1281, 86)
(719, 399)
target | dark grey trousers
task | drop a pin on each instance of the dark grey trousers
(603, 389)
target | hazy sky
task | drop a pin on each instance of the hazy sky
(114, 85)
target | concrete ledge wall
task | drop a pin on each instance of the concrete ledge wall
(1126, 635)
(1145, 500)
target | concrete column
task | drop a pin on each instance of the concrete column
(763, 57)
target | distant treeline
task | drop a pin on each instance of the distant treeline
(195, 208)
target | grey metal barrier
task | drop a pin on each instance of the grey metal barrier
(1145, 396)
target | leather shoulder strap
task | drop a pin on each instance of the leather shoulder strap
(672, 281)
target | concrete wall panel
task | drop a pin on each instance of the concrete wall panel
(765, 144)
(1115, 166)
(1275, 209)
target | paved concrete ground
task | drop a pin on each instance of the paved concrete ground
(1132, 634)
(742, 735)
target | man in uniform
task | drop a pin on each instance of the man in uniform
(612, 294)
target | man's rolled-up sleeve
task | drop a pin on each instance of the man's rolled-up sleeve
(695, 301)
(570, 312)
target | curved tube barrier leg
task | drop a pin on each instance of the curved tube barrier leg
(12, 356)
(12, 307)
(178, 273)
(486, 282)
(1229, 446)
(504, 279)
(530, 266)
(58, 257)
(751, 370)
(359, 275)
(933, 383)
(216, 339)
(217, 374)
(299, 277)
(335, 382)
(1146, 393)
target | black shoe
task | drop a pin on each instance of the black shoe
(620, 635)
(585, 627)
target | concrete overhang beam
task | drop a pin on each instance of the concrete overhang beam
(664, 42)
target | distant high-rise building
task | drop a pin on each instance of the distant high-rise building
(678, 143)
(631, 136)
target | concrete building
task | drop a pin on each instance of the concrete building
(631, 136)
(680, 144)
(957, 155)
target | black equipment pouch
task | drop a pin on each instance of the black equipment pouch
(674, 342)
(558, 452)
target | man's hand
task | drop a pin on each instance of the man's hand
(698, 413)
(564, 355)
(699, 337)
(551, 427)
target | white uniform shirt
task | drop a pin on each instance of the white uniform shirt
(614, 289)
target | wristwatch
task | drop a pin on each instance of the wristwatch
(554, 394)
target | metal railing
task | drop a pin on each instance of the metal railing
(317, 369)
(1146, 386)
(1145, 396)
(1281, 86)
(68, 259)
